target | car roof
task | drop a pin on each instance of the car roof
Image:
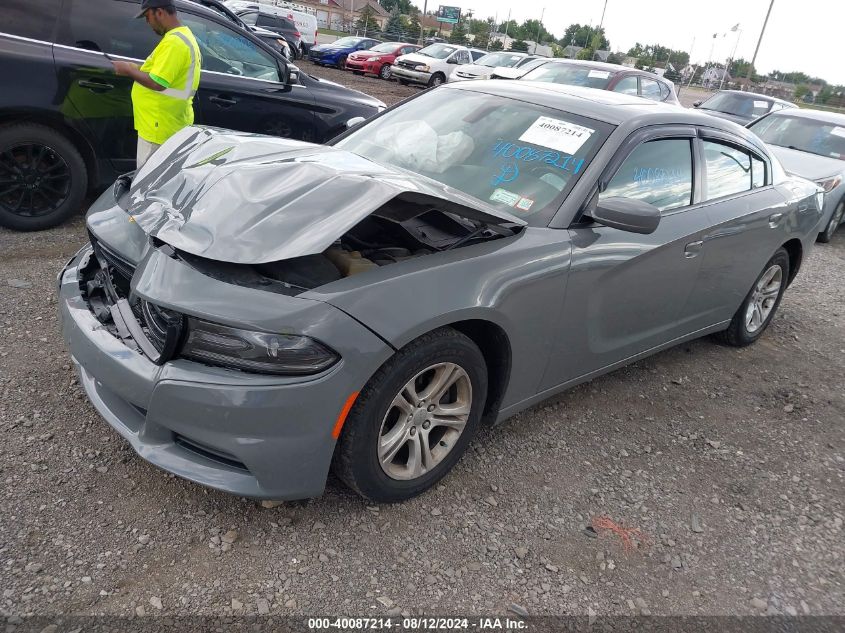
(603, 105)
(616, 68)
(835, 118)
(755, 95)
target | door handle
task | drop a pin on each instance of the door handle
(95, 85)
(775, 219)
(223, 101)
(693, 249)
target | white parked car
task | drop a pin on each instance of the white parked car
(305, 22)
(433, 65)
(484, 67)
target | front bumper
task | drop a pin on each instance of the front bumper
(363, 66)
(413, 76)
(324, 59)
(247, 434)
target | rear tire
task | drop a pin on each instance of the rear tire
(759, 308)
(836, 219)
(43, 178)
(393, 449)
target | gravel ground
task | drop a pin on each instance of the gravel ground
(730, 463)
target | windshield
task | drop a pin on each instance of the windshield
(805, 135)
(517, 156)
(747, 106)
(570, 75)
(500, 59)
(385, 48)
(344, 42)
(438, 51)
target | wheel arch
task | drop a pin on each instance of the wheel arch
(57, 124)
(795, 250)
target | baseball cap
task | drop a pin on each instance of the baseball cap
(153, 4)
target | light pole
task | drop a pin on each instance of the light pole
(539, 28)
(422, 23)
(602, 14)
(733, 54)
(759, 41)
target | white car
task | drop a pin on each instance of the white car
(490, 63)
(434, 64)
(305, 22)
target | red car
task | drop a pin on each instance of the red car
(378, 59)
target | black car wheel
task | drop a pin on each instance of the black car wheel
(43, 178)
(436, 80)
(762, 302)
(341, 62)
(835, 220)
(385, 71)
(414, 419)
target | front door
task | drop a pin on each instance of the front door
(242, 88)
(628, 293)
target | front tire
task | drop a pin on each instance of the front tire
(385, 72)
(43, 178)
(341, 62)
(836, 219)
(759, 308)
(414, 419)
(436, 80)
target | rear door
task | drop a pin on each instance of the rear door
(241, 86)
(748, 216)
(629, 293)
(87, 82)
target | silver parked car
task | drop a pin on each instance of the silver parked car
(252, 311)
(811, 143)
(486, 66)
(741, 107)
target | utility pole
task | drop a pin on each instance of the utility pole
(422, 23)
(539, 29)
(759, 41)
(602, 15)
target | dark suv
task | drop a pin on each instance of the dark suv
(276, 23)
(66, 124)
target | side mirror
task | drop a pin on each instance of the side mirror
(626, 214)
(451, 60)
(356, 120)
(697, 103)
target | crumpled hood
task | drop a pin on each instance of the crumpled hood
(251, 199)
(805, 164)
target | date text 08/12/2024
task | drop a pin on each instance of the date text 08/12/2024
(416, 624)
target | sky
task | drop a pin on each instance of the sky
(802, 35)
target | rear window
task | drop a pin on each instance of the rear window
(571, 75)
(747, 106)
(35, 19)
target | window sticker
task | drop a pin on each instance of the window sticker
(524, 204)
(838, 131)
(556, 134)
(507, 197)
(566, 162)
(761, 104)
(599, 74)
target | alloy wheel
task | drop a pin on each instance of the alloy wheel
(424, 421)
(34, 179)
(763, 299)
(385, 72)
(835, 221)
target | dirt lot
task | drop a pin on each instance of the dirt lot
(730, 462)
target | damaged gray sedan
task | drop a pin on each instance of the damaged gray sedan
(253, 311)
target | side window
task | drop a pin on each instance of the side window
(664, 91)
(25, 18)
(476, 55)
(250, 18)
(758, 172)
(267, 21)
(107, 27)
(657, 172)
(627, 85)
(227, 51)
(462, 57)
(650, 89)
(728, 170)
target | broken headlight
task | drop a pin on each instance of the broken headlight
(260, 352)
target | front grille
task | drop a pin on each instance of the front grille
(120, 266)
(408, 65)
(315, 55)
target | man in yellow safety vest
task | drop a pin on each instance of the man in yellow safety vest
(164, 88)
